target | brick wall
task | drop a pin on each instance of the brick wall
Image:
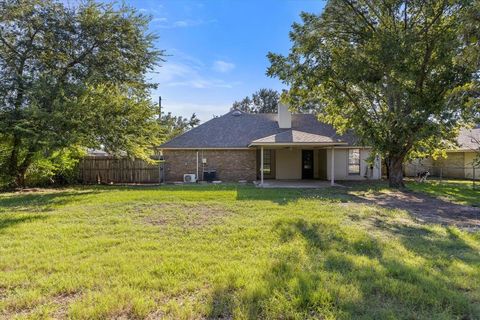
(453, 166)
(231, 165)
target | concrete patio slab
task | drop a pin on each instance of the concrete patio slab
(296, 184)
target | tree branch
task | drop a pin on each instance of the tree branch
(360, 14)
(8, 45)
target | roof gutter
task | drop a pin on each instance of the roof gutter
(461, 150)
(200, 148)
(287, 144)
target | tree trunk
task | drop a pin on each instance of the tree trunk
(17, 170)
(387, 168)
(22, 169)
(13, 163)
(395, 168)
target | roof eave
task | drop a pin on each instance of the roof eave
(203, 148)
(461, 150)
(319, 144)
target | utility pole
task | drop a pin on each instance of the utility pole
(159, 108)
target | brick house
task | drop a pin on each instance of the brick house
(458, 163)
(290, 146)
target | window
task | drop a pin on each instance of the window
(354, 161)
(267, 162)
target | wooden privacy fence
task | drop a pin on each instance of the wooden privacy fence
(108, 169)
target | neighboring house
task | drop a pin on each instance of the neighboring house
(292, 146)
(458, 163)
(97, 153)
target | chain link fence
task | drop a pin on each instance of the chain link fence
(442, 173)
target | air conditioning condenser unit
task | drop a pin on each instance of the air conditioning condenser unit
(189, 178)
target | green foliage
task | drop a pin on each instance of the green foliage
(262, 101)
(72, 76)
(120, 122)
(58, 169)
(403, 75)
(476, 141)
(229, 252)
(173, 126)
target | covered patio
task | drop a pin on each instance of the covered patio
(299, 159)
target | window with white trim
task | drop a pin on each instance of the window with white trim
(353, 161)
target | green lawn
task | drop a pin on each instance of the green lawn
(458, 191)
(228, 251)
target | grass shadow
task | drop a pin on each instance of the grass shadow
(460, 192)
(353, 276)
(422, 206)
(284, 196)
(432, 246)
(12, 221)
(37, 201)
(222, 302)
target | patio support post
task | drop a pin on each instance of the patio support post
(197, 168)
(332, 168)
(261, 166)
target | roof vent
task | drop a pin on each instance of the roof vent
(237, 113)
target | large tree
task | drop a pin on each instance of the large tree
(70, 77)
(173, 126)
(402, 74)
(262, 101)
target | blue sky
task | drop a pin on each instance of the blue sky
(218, 49)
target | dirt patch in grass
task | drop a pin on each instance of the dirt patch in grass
(172, 306)
(59, 302)
(62, 302)
(426, 208)
(184, 215)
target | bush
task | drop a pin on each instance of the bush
(58, 169)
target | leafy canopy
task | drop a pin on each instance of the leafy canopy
(402, 74)
(176, 125)
(262, 101)
(73, 77)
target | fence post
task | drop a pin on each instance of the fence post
(473, 176)
(441, 174)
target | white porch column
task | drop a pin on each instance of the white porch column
(197, 169)
(332, 168)
(261, 166)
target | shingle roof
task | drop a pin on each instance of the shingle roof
(469, 139)
(295, 136)
(239, 131)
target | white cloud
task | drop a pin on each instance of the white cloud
(223, 66)
(161, 19)
(188, 72)
(186, 23)
(204, 111)
(152, 10)
(172, 71)
(203, 83)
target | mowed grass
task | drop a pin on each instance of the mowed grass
(458, 191)
(228, 252)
